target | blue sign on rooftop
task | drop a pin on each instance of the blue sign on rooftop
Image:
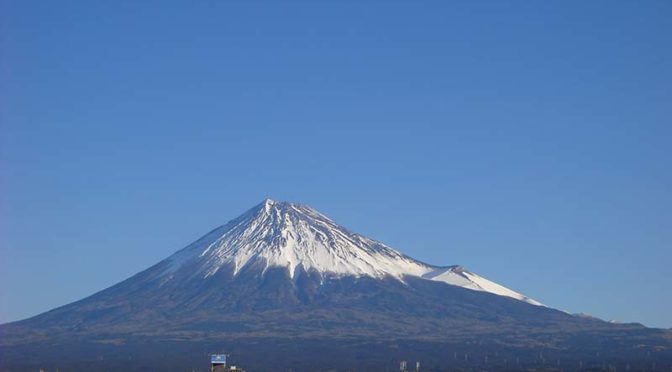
(218, 359)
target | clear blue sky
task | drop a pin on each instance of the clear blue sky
(528, 141)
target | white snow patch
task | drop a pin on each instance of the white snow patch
(279, 234)
(456, 275)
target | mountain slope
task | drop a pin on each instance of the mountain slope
(292, 236)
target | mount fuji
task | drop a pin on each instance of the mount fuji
(284, 287)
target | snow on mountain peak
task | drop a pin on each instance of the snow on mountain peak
(292, 236)
(296, 236)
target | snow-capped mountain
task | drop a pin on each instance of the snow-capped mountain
(283, 287)
(296, 236)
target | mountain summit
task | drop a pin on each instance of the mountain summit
(284, 287)
(299, 238)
